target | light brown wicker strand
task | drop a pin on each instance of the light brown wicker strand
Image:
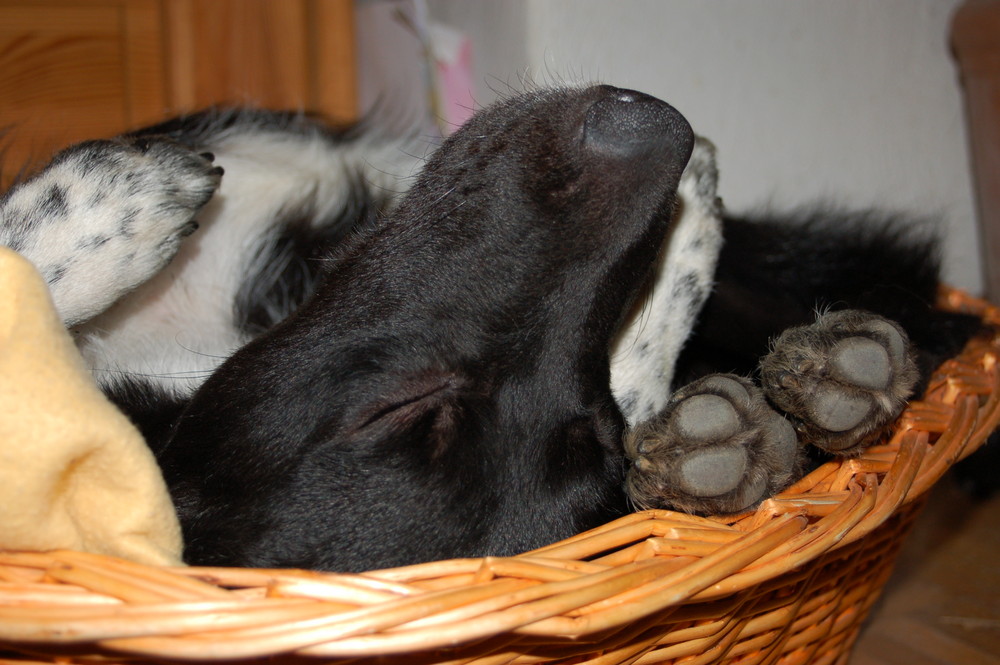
(338, 641)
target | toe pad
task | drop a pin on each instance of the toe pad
(838, 411)
(706, 417)
(862, 362)
(713, 471)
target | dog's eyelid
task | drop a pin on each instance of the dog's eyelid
(415, 393)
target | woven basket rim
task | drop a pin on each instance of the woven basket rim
(610, 580)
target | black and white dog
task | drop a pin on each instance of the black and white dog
(335, 377)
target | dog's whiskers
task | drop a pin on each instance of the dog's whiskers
(189, 374)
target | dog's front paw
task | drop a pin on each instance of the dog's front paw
(107, 215)
(153, 188)
(842, 379)
(717, 447)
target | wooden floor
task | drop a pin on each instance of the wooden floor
(942, 606)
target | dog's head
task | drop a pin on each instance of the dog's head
(448, 387)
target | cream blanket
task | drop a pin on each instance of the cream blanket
(74, 472)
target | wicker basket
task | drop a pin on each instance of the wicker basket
(789, 583)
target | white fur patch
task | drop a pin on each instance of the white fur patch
(180, 326)
(645, 352)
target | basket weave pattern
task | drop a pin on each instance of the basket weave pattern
(790, 582)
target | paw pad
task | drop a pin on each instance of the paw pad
(862, 362)
(706, 418)
(841, 379)
(720, 446)
(713, 471)
(837, 410)
(781, 434)
(716, 447)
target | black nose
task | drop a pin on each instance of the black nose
(627, 123)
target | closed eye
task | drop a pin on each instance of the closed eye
(412, 397)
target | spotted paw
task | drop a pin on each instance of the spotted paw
(717, 447)
(105, 216)
(166, 185)
(842, 379)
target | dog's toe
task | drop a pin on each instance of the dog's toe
(861, 361)
(712, 471)
(780, 435)
(706, 418)
(836, 410)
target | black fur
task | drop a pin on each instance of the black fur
(289, 262)
(446, 392)
(194, 129)
(777, 271)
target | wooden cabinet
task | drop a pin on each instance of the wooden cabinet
(975, 37)
(75, 69)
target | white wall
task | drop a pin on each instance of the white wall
(854, 101)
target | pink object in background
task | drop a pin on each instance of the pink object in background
(452, 55)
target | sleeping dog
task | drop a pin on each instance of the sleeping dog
(336, 375)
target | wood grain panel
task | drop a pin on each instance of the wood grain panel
(292, 54)
(237, 51)
(72, 70)
(77, 69)
(335, 85)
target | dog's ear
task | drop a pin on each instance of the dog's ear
(425, 408)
